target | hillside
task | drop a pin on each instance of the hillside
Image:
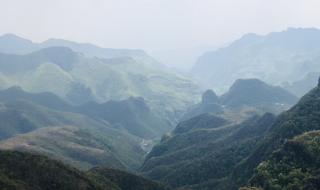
(303, 85)
(256, 93)
(109, 134)
(203, 153)
(203, 149)
(24, 171)
(297, 161)
(124, 180)
(79, 79)
(132, 115)
(303, 117)
(245, 97)
(71, 137)
(276, 58)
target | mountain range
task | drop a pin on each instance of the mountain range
(109, 134)
(81, 73)
(277, 58)
(246, 96)
(266, 151)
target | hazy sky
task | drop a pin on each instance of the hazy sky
(153, 24)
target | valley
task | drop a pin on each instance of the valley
(79, 116)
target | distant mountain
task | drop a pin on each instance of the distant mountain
(275, 58)
(303, 85)
(79, 79)
(254, 92)
(210, 103)
(24, 171)
(12, 44)
(132, 114)
(244, 95)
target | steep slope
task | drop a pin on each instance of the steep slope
(298, 163)
(131, 114)
(275, 58)
(210, 103)
(303, 117)
(24, 171)
(204, 149)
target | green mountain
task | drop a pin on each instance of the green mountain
(132, 114)
(71, 137)
(245, 95)
(276, 58)
(210, 103)
(294, 166)
(115, 134)
(79, 79)
(24, 171)
(207, 152)
(256, 93)
(204, 150)
(301, 118)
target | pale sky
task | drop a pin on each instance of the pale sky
(153, 24)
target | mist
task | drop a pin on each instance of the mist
(153, 25)
(159, 94)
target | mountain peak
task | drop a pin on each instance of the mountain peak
(209, 96)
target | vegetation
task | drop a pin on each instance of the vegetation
(209, 151)
(295, 166)
(24, 171)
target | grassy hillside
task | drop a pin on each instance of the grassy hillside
(79, 78)
(75, 138)
(24, 171)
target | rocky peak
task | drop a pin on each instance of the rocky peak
(209, 97)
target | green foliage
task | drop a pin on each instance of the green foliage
(124, 180)
(24, 171)
(303, 117)
(293, 167)
(207, 152)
